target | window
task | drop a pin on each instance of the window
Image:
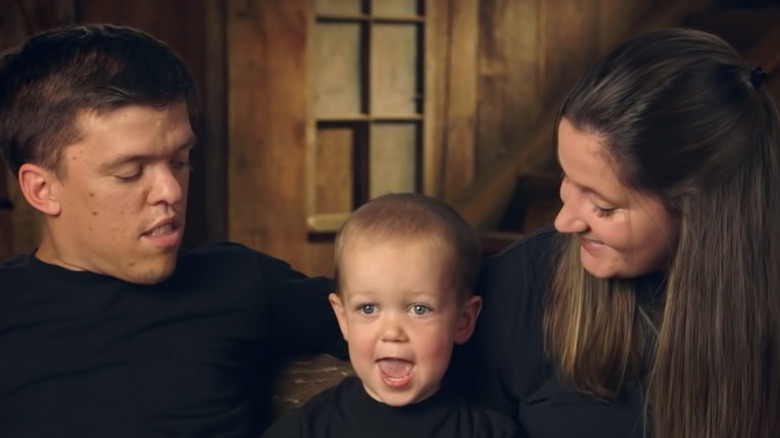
(367, 79)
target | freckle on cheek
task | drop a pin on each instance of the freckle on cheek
(91, 195)
(94, 213)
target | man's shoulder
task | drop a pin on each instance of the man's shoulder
(229, 254)
(15, 262)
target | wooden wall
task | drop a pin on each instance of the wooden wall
(493, 67)
(529, 53)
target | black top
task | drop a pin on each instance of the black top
(504, 364)
(347, 411)
(85, 355)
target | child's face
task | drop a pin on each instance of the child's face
(401, 316)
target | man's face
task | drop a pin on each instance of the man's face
(123, 194)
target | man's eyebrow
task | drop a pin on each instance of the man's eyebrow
(121, 160)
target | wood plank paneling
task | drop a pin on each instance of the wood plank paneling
(568, 44)
(458, 119)
(213, 148)
(509, 83)
(266, 123)
(616, 17)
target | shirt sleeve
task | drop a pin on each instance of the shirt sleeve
(288, 426)
(301, 320)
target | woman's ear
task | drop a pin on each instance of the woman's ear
(36, 184)
(468, 319)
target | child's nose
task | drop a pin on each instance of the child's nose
(392, 329)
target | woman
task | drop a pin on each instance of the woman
(653, 306)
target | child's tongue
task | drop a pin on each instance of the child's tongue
(395, 368)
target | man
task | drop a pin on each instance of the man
(108, 330)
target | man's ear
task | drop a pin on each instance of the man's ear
(341, 316)
(36, 184)
(468, 319)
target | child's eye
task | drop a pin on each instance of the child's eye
(420, 309)
(367, 309)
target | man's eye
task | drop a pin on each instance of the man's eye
(179, 165)
(129, 178)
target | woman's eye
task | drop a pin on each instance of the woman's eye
(603, 212)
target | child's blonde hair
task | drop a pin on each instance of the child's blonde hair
(410, 215)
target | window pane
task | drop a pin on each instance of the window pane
(394, 69)
(339, 7)
(395, 8)
(393, 158)
(334, 168)
(338, 60)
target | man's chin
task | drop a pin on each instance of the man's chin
(157, 270)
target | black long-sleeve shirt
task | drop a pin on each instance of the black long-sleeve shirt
(347, 411)
(505, 366)
(85, 355)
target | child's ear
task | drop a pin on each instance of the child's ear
(468, 319)
(36, 184)
(338, 309)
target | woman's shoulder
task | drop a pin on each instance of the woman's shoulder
(539, 240)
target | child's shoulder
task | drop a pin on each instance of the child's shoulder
(481, 421)
(313, 417)
(488, 423)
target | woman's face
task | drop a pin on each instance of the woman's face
(623, 232)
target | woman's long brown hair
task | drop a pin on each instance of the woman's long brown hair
(682, 120)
